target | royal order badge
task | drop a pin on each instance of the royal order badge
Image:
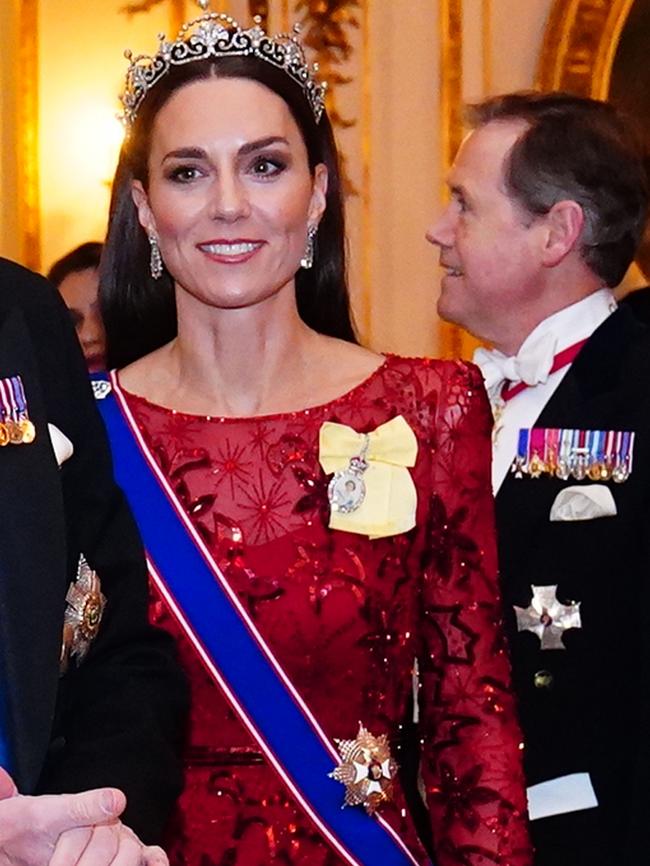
(83, 614)
(367, 770)
(347, 489)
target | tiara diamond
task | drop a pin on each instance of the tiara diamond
(215, 34)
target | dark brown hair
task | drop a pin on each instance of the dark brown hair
(582, 150)
(139, 312)
(81, 258)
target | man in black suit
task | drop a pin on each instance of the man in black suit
(87, 698)
(548, 202)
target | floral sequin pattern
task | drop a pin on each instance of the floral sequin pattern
(346, 617)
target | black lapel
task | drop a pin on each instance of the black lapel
(591, 396)
(595, 375)
(32, 567)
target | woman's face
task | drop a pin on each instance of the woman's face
(230, 193)
(79, 291)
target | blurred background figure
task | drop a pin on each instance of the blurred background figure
(76, 276)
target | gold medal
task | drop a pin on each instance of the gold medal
(536, 466)
(605, 471)
(4, 435)
(15, 433)
(28, 430)
(595, 471)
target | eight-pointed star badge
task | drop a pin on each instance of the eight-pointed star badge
(548, 618)
(367, 770)
(83, 614)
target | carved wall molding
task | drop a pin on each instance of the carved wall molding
(27, 165)
(325, 30)
(260, 8)
(451, 125)
(177, 11)
(177, 15)
(579, 45)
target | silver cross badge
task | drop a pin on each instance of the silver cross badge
(546, 617)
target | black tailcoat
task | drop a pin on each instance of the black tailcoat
(117, 718)
(593, 717)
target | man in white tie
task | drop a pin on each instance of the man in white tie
(548, 203)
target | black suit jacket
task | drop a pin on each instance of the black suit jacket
(117, 718)
(594, 716)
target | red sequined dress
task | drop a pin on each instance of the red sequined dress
(347, 616)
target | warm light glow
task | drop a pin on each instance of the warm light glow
(94, 139)
(81, 73)
(78, 161)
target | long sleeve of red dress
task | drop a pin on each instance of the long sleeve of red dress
(471, 739)
(345, 616)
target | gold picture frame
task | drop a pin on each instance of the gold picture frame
(579, 45)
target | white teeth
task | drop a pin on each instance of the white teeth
(229, 249)
(454, 272)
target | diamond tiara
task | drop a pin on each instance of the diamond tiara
(214, 34)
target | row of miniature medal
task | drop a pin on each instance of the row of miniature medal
(599, 455)
(15, 426)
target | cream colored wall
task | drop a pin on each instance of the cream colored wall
(404, 176)
(517, 30)
(393, 150)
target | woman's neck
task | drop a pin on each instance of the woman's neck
(246, 361)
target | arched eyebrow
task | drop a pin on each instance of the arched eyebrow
(261, 143)
(244, 150)
(186, 153)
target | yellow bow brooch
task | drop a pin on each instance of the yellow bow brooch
(371, 492)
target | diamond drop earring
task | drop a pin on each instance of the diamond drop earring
(307, 259)
(155, 262)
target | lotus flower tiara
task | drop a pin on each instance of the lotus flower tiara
(214, 34)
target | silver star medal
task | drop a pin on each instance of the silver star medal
(547, 617)
(347, 489)
(83, 614)
(367, 770)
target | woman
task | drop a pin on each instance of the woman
(76, 276)
(337, 500)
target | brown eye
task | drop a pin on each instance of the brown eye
(264, 166)
(185, 174)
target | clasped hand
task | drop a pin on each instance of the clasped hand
(69, 830)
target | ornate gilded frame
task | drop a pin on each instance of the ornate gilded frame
(27, 158)
(451, 125)
(579, 45)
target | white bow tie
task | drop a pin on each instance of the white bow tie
(532, 364)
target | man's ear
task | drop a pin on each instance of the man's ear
(141, 202)
(564, 224)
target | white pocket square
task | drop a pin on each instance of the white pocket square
(61, 445)
(583, 503)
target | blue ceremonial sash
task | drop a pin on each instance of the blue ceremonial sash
(235, 653)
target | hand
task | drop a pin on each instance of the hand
(69, 830)
(112, 844)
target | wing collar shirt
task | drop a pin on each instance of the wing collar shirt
(531, 365)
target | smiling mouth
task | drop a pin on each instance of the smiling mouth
(233, 249)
